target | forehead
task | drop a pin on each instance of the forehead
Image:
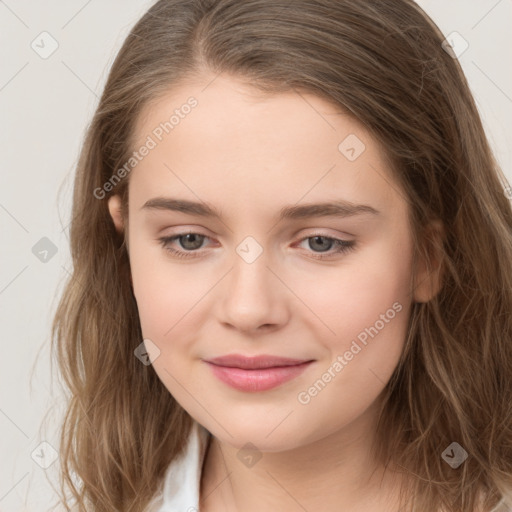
(240, 111)
(239, 146)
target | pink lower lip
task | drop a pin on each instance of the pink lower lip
(257, 380)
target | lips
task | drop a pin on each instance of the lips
(255, 362)
(259, 373)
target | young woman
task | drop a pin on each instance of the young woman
(292, 283)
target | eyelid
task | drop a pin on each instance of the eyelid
(343, 246)
(324, 232)
(312, 232)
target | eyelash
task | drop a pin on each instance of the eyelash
(343, 246)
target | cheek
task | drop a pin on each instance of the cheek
(340, 310)
(168, 302)
(367, 305)
(164, 292)
(370, 288)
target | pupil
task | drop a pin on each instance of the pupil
(322, 247)
(194, 239)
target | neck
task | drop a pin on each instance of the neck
(329, 474)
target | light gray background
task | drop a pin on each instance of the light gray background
(45, 106)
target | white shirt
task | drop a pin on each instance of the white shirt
(182, 478)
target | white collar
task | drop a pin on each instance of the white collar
(182, 478)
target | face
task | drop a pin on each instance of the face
(269, 274)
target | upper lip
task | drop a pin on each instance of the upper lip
(255, 362)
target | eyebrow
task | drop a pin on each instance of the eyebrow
(339, 208)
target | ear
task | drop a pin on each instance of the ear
(114, 206)
(428, 278)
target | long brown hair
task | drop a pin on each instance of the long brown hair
(382, 62)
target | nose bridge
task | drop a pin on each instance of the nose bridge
(252, 296)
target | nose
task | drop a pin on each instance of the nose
(252, 298)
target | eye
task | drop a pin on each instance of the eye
(323, 244)
(191, 241)
(188, 241)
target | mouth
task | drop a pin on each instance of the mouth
(253, 374)
(255, 362)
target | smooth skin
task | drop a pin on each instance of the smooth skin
(249, 155)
